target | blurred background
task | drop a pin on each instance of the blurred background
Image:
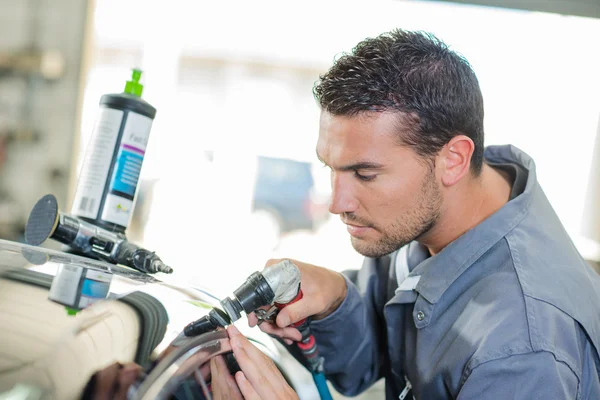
(230, 177)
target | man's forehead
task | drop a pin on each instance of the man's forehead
(348, 138)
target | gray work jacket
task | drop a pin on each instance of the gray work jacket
(509, 310)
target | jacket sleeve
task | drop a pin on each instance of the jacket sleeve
(350, 339)
(523, 376)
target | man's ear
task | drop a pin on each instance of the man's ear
(455, 159)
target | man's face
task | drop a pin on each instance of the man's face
(384, 192)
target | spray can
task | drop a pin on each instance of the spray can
(107, 184)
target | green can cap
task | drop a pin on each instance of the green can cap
(134, 86)
(71, 311)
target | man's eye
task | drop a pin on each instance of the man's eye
(365, 178)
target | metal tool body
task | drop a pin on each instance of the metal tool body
(278, 283)
(45, 221)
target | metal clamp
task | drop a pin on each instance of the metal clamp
(266, 315)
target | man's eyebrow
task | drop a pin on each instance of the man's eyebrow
(361, 165)
(355, 166)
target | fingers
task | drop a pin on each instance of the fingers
(219, 363)
(127, 375)
(214, 369)
(130, 373)
(249, 364)
(287, 334)
(245, 387)
(203, 373)
(294, 312)
(258, 369)
(216, 379)
(252, 320)
(223, 384)
(215, 376)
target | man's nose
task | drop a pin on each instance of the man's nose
(342, 197)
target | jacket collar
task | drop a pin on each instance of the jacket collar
(440, 271)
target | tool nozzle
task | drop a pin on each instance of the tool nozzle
(215, 318)
(232, 307)
(159, 266)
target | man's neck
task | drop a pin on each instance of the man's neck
(467, 206)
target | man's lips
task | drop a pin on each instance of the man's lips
(354, 223)
(356, 230)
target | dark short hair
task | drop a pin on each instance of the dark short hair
(433, 88)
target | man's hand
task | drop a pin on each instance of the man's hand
(323, 292)
(259, 378)
(112, 382)
(222, 383)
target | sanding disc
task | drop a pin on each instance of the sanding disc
(43, 220)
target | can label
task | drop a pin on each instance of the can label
(94, 287)
(126, 173)
(65, 285)
(78, 287)
(117, 210)
(93, 175)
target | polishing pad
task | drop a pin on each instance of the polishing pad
(43, 220)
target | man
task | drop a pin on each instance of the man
(471, 288)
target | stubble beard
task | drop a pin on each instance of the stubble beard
(410, 226)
